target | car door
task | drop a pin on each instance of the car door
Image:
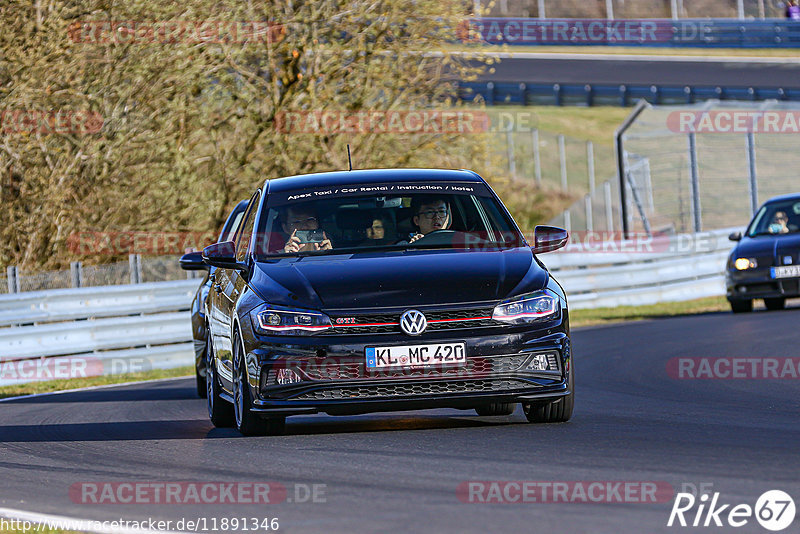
(227, 287)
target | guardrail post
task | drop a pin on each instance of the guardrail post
(537, 162)
(135, 266)
(589, 222)
(750, 143)
(76, 273)
(610, 9)
(490, 93)
(562, 156)
(541, 10)
(13, 280)
(589, 95)
(694, 184)
(590, 165)
(557, 94)
(512, 161)
(567, 221)
(623, 96)
(608, 206)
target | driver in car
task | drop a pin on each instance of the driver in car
(779, 223)
(301, 218)
(430, 214)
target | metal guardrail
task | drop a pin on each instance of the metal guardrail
(669, 269)
(532, 94)
(116, 329)
(703, 33)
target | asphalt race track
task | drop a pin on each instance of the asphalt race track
(399, 472)
(652, 70)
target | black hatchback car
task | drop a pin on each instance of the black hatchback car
(765, 264)
(376, 290)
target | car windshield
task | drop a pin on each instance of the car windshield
(384, 217)
(777, 218)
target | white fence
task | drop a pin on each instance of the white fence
(643, 271)
(68, 333)
(63, 333)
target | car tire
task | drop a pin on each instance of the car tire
(555, 411)
(775, 304)
(741, 305)
(247, 422)
(219, 411)
(496, 408)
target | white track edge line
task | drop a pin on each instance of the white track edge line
(48, 520)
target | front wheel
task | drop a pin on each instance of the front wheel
(556, 411)
(775, 304)
(248, 422)
(741, 305)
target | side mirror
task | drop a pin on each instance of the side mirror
(548, 238)
(193, 261)
(735, 236)
(222, 255)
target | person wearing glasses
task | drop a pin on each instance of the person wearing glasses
(430, 214)
(302, 218)
(779, 223)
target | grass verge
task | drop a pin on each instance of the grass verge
(620, 314)
(31, 388)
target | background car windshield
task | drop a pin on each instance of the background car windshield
(776, 218)
(350, 219)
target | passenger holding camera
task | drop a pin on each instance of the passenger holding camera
(301, 224)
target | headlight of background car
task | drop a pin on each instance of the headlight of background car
(527, 308)
(742, 264)
(285, 321)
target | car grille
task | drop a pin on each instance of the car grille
(404, 390)
(386, 323)
(352, 369)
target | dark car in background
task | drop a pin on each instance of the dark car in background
(765, 263)
(193, 261)
(313, 310)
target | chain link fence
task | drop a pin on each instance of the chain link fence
(550, 160)
(135, 270)
(697, 168)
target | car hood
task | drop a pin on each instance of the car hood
(397, 279)
(769, 246)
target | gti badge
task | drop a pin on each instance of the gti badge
(413, 322)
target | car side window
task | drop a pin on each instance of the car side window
(246, 233)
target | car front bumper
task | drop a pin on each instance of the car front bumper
(495, 372)
(758, 283)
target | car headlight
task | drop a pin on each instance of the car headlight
(275, 320)
(742, 264)
(527, 308)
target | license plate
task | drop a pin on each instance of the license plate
(414, 356)
(786, 271)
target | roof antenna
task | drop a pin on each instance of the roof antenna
(349, 161)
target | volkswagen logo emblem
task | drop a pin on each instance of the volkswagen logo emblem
(413, 322)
